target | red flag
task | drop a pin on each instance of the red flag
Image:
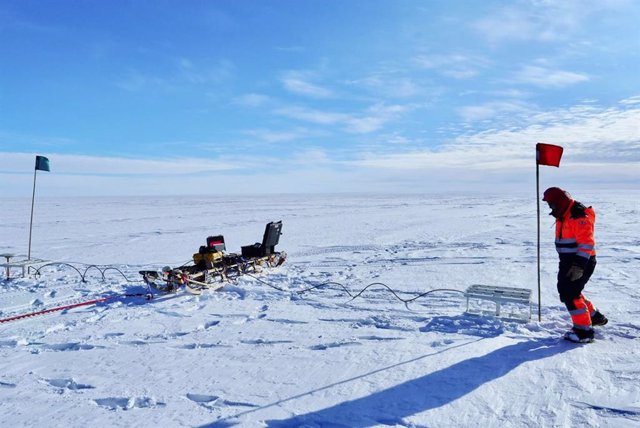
(548, 154)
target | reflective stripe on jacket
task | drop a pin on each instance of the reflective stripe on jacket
(574, 233)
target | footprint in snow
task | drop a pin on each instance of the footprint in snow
(110, 335)
(8, 343)
(287, 321)
(379, 338)
(322, 347)
(201, 346)
(439, 343)
(264, 342)
(137, 342)
(211, 324)
(127, 403)
(465, 324)
(610, 410)
(229, 289)
(215, 402)
(625, 334)
(243, 319)
(69, 384)
(71, 346)
(172, 314)
(262, 314)
(202, 398)
(7, 385)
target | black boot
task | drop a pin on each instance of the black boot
(598, 319)
(579, 335)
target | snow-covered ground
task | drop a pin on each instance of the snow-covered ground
(253, 355)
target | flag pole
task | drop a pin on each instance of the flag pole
(538, 205)
(33, 198)
(546, 154)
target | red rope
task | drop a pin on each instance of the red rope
(59, 308)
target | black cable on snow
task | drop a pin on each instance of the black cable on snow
(117, 270)
(358, 294)
(283, 290)
(37, 271)
(83, 275)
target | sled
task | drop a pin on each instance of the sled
(22, 262)
(518, 300)
(212, 266)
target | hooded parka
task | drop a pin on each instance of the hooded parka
(575, 244)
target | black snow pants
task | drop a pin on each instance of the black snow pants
(571, 290)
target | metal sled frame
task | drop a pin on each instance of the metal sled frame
(22, 263)
(197, 277)
(232, 265)
(195, 280)
(500, 296)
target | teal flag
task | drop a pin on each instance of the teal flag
(42, 163)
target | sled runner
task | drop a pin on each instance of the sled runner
(212, 266)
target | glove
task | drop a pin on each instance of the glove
(575, 273)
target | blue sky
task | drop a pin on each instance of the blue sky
(156, 97)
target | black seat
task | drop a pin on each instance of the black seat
(270, 239)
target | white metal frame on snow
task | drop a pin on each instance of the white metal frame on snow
(499, 295)
(23, 263)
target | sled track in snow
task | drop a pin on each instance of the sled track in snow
(316, 251)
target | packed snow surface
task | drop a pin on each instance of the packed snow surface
(288, 346)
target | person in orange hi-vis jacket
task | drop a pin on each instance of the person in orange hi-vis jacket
(575, 244)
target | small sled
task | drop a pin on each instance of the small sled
(510, 302)
(212, 266)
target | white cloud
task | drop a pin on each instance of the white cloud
(299, 83)
(312, 115)
(99, 165)
(374, 118)
(492, 109)
(608, 138)
(391, 86)
(398, 140)
(179, 73)
(311, 158)
(456, 66)
(512, 24)
(543, 20)
(631, 101)
(548, 78)
(22, 139)
(602, 148)
(271, 136)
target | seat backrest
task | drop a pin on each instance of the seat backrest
(216, 243)
(271, 237)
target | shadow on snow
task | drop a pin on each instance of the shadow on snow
(418, 395)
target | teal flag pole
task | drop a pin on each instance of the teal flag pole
(42, 164)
